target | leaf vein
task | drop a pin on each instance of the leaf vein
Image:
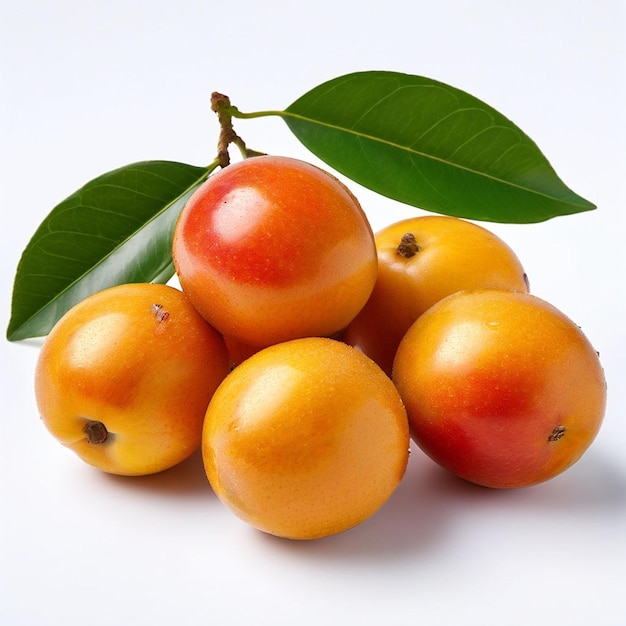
(414, 152)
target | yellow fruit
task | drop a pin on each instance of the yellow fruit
(126, 375)
(420, 261)
(305, 439)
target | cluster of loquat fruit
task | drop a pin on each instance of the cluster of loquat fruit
(302, 352)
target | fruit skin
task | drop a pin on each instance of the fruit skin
(305, 439)
(453, 255)
(141, 361)
(273, 248)
(500, 387)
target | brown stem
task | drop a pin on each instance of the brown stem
(408, 246)
(221, 105)
(557, 433)
(95, 432)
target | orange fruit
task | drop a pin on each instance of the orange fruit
(305, 439)
(420, 261)
(273, 248)
(500, 387)
(125, 377)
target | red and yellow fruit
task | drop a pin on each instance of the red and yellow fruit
(307, 436)
(273, 248)
(500, 387)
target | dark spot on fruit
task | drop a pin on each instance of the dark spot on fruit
(160, 313)
(557, 433)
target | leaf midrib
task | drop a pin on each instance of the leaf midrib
(49, 302)
(425, 155)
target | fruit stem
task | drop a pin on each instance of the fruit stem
(557, 433)
(95, 432)
(221, 105)
(408, 246)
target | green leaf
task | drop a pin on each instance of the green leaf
(430, 145)
(116, 229)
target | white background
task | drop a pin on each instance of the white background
(87, 87)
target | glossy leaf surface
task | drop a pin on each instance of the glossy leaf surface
(430, 145)
(116, 229)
